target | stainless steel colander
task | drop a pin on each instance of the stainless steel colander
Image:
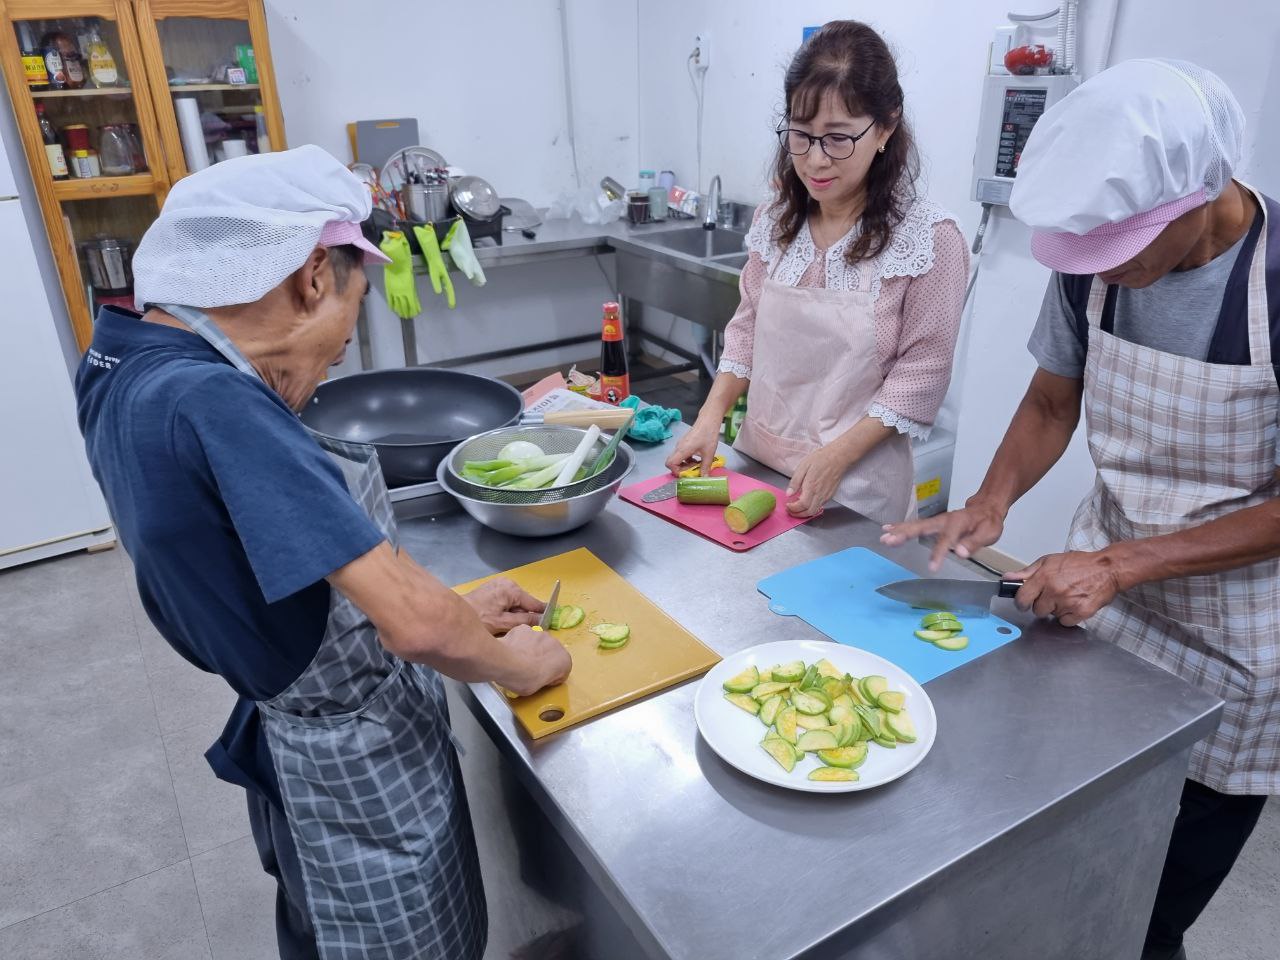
(551, 440)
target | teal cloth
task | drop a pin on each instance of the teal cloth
(652, 423)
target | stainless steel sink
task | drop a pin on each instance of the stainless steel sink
(735, 260)
(698, 242)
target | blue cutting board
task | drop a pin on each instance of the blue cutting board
(837, 595)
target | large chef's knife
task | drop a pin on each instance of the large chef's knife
(545, 622)
(972, 597)
(668, 490)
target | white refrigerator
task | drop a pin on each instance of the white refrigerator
(49, 501)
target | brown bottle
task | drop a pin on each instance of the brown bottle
(52, 148)
(615, 378)
(65, 62)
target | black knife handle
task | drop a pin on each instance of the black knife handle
(1009, 589)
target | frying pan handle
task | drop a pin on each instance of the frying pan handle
(604, 419)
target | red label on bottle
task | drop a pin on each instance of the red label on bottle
(615, 389)
(612, 329)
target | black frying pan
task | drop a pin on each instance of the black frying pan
(413, 416)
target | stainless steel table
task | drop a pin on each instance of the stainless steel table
(1035, 829)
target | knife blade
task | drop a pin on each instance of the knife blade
(545, 622)
(972, 597)
(668, 490)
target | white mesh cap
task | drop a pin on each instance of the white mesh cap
(1138, 136)
(234, 231)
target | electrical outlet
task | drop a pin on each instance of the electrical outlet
(702, 52)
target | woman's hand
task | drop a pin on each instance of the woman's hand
(502, 606)
(701, 441)
(815, 481)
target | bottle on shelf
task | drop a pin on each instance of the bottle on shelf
(615, 376)
(67, 55)
(733, 419)
(52, 147)
(33, 65)
(264, 138)
(100, 61)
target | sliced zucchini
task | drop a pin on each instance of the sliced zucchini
(744, 701)
(844, 700)
(951, 642)
(743, 682)
(886, 741)
(766, 676)
(566, 617)
(769, 709)
(785, 724)
(933, 636)
(833, 775)
(892, 700)
(612, 644)
(810, 677)
(833, 687)
(855, 692)
(763, 691)
(872, 687)
(844, 756)
(781, 751)
(811, 702)
(612, 632)
(828, 669)
(839, 713)
(902, 727)
(870, 721)
(812, 741)
(806, 722)
(789, 672)
(844, 731)
(939, 621)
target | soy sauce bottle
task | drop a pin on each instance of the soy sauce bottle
(615, 377)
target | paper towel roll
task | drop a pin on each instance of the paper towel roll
(234, 148)
(192, 133)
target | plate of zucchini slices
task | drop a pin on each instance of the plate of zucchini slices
(815, 716)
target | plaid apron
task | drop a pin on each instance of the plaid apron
(1177, 443)
(368, 771)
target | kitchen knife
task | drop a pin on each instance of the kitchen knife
(545, 622)
(971, 597)
(668, 490)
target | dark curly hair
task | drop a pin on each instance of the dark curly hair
(852, 61)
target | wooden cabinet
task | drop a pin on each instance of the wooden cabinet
(213, 53)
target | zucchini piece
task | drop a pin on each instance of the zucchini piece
(902, 727)
(810, 702)
(870, 721)
(743, 682)
(892, 700)
(833, 775)
(833, 687)
(872, 686)
(785, 724)
(844, 731)
(887, 742)
(828, 669)
(766, 676)
(951, 642)
(764, 691)
(844, 700)
(749, 509)
(612, 644)
(713, 490)
(933, 636)
(855, 693)
(811, 741)
(940, 621)
(848, 757)
(612, 632)
(810, 677)
(744, 701)
(806, 722)
(781, 751)
(566, 617)
(789, 672)
(839, 713)
(769, 710)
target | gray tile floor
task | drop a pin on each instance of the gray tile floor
(117, 843)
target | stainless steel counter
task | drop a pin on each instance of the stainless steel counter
(1034, 829)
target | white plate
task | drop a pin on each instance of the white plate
(735, 734)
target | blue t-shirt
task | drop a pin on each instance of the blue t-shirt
(232, 514)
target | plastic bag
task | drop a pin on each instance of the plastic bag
(590, 204)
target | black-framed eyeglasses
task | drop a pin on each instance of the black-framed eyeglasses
(837, 146)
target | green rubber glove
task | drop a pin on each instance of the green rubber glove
(458, 243)
(434, 260)
(402, 289)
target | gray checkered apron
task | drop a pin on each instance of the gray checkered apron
(1177, 443)
(368, 771)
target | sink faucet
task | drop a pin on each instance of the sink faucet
(713, 204)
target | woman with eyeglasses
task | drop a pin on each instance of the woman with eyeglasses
(851, 294)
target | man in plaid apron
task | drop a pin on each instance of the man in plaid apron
(269, 555)
(1163, 320)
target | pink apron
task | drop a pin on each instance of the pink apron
(814, 374)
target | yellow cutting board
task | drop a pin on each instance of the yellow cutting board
(660, 654)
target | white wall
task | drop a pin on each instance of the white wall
(941, 48)
(485, 81)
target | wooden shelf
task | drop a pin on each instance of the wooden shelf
(98, 188)
(85, 92)
(210, 87)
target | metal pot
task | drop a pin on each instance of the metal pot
(110, 264)
(414, 417)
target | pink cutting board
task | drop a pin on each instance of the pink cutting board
(708, 520)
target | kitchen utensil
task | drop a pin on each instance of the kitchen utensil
(109, 260)
(668, 490)
(612, 188)
(115, 152)
(607, 453)
(638, 207)
(735, 734)
(660, 654)
(413, 196)
(709, 520)
(475, 198)
(377, 141)
(418, 160)
(836, 594)
(605, 419)
(558, 514)
(522, 217)
(487, 446)
(436, 197)
(657, 204)
(544, 623)
(972, 598)
(414, 416)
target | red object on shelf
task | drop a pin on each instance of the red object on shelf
(1024, 61)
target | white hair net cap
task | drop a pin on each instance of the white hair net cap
(1139, 135)
(234, 231)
